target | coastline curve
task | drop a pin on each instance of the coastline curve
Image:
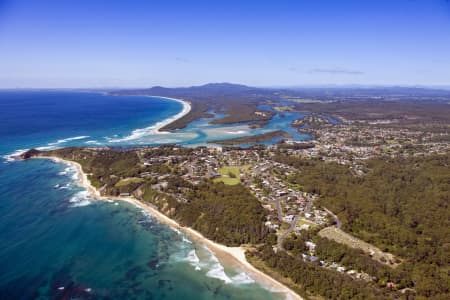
(234, 255)
(156, 128)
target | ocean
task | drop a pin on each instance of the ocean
(58, 244)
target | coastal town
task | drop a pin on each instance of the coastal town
(225, 150)
(272, 200)
(290, 211)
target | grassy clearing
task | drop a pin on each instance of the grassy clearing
(230, 175)
(128, 181)
(342, 237)
(305, 222)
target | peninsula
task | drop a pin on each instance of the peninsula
(275, 220)
(360, 211)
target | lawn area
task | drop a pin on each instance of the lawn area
(230, 175)
(303, 222)
(127, 181)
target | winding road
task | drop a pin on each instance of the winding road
(281, 237)
(335, 218)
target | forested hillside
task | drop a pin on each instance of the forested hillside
(400, 205)
(228, 214)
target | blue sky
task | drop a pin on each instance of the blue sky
(89, 43)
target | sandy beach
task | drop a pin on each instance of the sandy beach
(232, 255)
(156, 128)
(186, 109)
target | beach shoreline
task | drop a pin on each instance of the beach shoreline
(156, 128)
(135, 134)
(234, 255)
(187, 107)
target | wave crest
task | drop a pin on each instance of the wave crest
(80, 199)
(154, 129)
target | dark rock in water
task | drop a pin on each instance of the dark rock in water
(153, 264)
(133, 273)
(61, 278)
(162, 283)
(63, 287)
(60, 209)
(148, 295)
(150, 275)
(215, 290)
(135, 285)
(75, 292)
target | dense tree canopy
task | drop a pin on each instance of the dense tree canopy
(400, 205)
(224, 213)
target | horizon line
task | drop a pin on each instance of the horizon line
(331, 85)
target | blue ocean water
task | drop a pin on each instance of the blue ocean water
(56, 244)
(37, 118)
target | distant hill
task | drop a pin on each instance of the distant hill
(240, 102)
(206, 90)
(322, 93)
(237, 101)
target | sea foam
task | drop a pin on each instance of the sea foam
(80, 198)
(193, 259)
(216, 269)
(242, 278)
(54, 145)
(69, 171)
(154, 129)
(92, 142)
(81, 137)
(50, 146)
(13, 156)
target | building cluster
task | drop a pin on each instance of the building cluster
(258, 172)
(309, 255)
(283, 201)
(292, 210)
(352, 143)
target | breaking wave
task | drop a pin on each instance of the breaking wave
(242, 278)
(216, 269)
(53, 145)
(154, 129)
(61, 141)
(81, 198)
(13, 156)
(193, 259)
(70, 171)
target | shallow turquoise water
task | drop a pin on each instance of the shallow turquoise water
(101, 250)
(57, 244)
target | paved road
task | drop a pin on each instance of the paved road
(308, 206)
(279, 212)
(336, 219)
(287, 232)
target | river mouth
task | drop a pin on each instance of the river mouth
(60, 242)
